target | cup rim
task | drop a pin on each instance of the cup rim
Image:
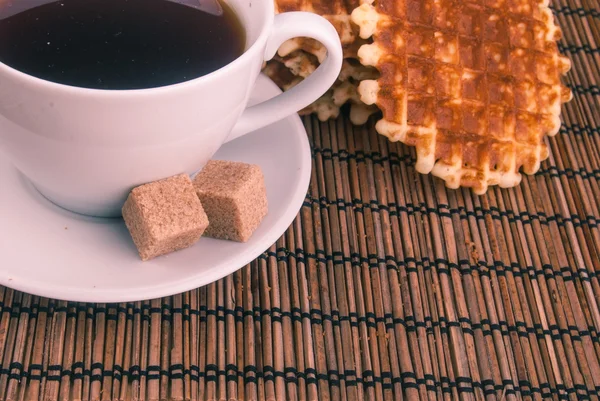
(5, 69)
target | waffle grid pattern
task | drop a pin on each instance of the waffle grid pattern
(474, 85)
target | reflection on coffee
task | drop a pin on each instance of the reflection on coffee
(119, 44)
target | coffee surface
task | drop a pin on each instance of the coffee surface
(119, 44)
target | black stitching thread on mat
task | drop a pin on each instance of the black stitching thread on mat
(316, 316)
(580, 12)
(576, 129)
(154, 372)
(410, 265)
(585, 48)
(393, 209)
(360, 156)
(371, 320)
(334, 378)
(585, 90)
(395, 159)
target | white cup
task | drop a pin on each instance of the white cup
(85, 149)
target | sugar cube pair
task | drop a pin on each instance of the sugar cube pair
(226, 200)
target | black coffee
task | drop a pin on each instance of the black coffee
(119, 44)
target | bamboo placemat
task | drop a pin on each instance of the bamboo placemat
(387, 286)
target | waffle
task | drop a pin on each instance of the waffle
(327, 106)
(288, 71)
(281, 75)
(335, 11)
(474, 85)
(299, 57)
(300, 63)
(353, 70)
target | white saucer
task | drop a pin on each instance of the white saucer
(48, 251)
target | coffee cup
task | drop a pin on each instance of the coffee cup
(85, 149)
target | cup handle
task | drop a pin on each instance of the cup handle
(287, 26)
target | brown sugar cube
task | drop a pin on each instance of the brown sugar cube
(164, 216)
(234, 198)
